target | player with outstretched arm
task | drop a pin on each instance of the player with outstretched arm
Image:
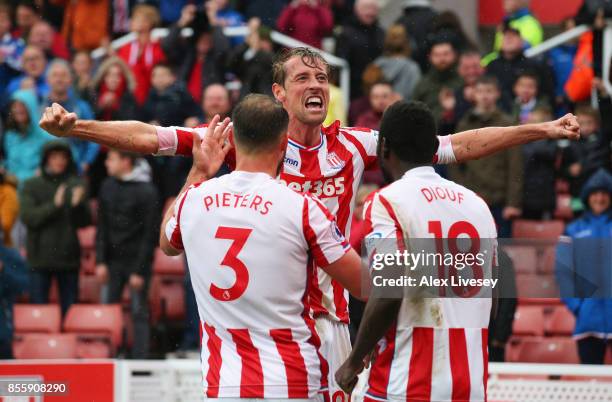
(328, 162)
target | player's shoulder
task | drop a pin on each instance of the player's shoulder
(336, 130)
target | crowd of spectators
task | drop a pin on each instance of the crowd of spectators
(46, 56)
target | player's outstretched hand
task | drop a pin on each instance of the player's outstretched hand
(210, 152)
(57, 121)
(566, 127)
(346, 376)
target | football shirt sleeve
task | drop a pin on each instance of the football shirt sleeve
(445, 153)
(173, 227)
(384, 233)
(323, 237)
(179, 141)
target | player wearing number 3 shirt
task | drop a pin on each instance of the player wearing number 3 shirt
(250, 241)
(429, 349)
(328, 162)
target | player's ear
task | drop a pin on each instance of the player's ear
(279, 92)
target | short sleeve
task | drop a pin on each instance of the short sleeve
(325, 241)
(179, 141)
(366, 142)
(173, 227)
(445, 153)
(384, 231)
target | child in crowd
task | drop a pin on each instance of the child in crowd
(526, 96)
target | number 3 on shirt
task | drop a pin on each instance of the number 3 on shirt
(239, 237)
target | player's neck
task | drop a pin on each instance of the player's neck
(256, 164)
(307, 135)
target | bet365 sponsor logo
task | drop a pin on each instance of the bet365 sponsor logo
(324, 188)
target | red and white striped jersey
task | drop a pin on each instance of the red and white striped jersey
(332, 170)
(437, 348)
(249, 241)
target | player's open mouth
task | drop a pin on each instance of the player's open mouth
(314, 103)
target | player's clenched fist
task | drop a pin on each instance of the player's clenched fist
(566, 127)
(57, 121)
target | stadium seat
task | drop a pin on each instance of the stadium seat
(46, 346)
(166, 300)
(93, 207)
(547, 350)
(534, 301)
(93, 349)
(528, 320)
(563, 210)
(41, 318)
(523, 257)
(96, 321)
(89, 289)
(536, 286)
(528, 229)
(87, 237)
(546, 260)
(560, 322)
(168, 266)
(88, 261)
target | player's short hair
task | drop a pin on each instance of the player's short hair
(488, 80)
(409, 131)
(259, 121)
(309, 57)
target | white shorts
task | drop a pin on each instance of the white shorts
(335, 348)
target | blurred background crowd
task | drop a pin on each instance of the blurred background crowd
(85, 218)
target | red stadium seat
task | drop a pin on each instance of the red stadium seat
(560, 321)
(524, 258)
(166, 300)
(96, 321)
(534, 301)
(528, 320)
(546, 260)
(168, 266)
(536, 286)
(93, 207)
(46, 346)
(88, 261)
(564, 207)
(87, 237)
(41, 318)
(93, 349)
(528, 229)
(89, 289)
(548, 350)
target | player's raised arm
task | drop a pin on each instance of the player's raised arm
(475, 144)
(132, 136)
(207, 153)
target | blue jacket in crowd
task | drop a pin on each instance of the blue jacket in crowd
(11, 48)
(584, 265)
(561, 60)
(13, 281)
(83, 152)
(22, 151)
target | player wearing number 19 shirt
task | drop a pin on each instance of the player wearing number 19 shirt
(249, 241)
(331, 169)
(429, 348)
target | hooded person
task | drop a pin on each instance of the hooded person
(53, 208)
(583, 269)
(128, 222)
(24, 139)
